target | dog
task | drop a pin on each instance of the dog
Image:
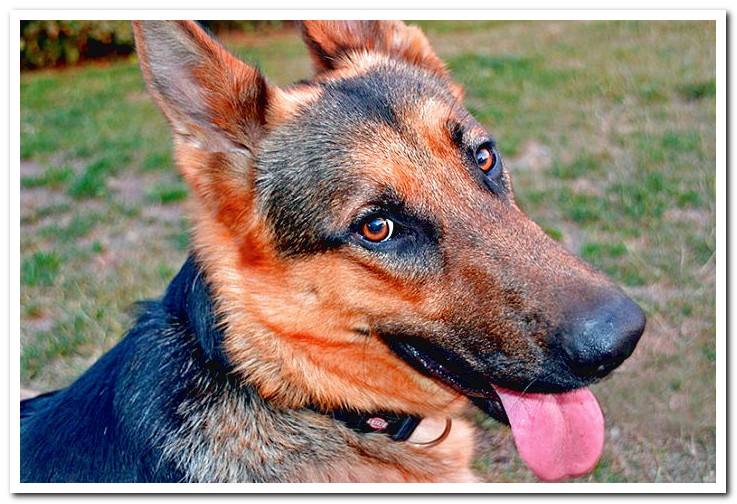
(360, 275)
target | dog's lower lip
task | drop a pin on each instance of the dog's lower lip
(485, 398)
(437, 369)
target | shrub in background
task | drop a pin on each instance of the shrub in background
(56, 43)
(253, 25)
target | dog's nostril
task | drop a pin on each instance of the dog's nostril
(602, 338)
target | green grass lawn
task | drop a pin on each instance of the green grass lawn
(608, 129)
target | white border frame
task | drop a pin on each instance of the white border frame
(719, 486)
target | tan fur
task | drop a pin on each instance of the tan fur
(238, 442)
(284, 354)
(298, 329)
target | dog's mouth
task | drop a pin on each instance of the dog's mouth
(558, 435)
(452, 371)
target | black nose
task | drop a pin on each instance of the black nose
(600, 339)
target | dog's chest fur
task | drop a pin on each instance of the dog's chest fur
(236, 440)
(227, 432)
(161, 406)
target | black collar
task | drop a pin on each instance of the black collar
(188, 298)
(397, 427)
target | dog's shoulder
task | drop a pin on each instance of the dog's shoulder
(110, 423)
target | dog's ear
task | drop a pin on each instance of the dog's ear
(210, 97)
(219, 107)
(330, 41)
(331, 44)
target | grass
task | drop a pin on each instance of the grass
(165, 193)
(608, 129)
(40, 269)
(54, 177)
(698, 90)
(582, 166)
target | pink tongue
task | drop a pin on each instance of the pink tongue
(557, 435)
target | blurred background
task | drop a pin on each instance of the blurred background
(608, 129)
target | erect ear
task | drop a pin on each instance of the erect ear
(331, 44)
(210, 97)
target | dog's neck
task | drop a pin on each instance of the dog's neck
(188, 298)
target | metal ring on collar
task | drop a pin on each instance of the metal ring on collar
(439, 439)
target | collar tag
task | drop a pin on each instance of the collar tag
(397, 427)
(377, 423)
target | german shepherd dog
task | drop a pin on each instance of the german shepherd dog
(360, 274)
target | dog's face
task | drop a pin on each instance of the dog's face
(361, 233)
(388, 179)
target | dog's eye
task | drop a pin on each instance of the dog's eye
(377, 229)
(486, 158)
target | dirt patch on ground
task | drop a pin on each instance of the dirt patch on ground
(534, 157)
(34, 201)
(587, 186)
(696, 216)
(30, 169)
(28, 393)
(130, 189)
(36, 198)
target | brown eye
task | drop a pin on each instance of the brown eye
(377, 229)
(485, 159)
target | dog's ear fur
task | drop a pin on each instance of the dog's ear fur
(219, 107)
(210, 97)
(331, 43)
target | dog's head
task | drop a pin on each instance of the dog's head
(360, 231)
